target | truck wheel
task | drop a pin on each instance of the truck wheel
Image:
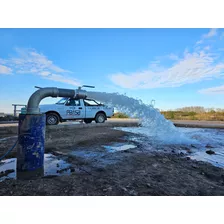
(100, 118)
(87, 121)
(52, 119)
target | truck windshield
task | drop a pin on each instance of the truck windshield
(62, 101)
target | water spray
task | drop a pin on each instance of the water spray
(153, 122)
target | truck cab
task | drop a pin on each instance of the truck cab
(76, 109)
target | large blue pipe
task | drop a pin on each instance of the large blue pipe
(31, 136)
(31, 132)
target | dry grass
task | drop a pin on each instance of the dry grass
(205, 116)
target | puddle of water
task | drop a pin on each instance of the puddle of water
(205, 138)
(6, 138)
(210, 139)
(102, 157)
(216, 159)
(119, 147)
(87, 154)
(8, 169)
(98, 159)
(53, 166)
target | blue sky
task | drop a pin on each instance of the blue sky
(175, 67)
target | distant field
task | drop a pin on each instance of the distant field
(203, 116)
(180, 115)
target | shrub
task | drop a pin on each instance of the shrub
(120, 115)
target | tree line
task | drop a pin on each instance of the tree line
(198, 109)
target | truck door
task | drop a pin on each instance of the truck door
(74, 109)
(92, 107)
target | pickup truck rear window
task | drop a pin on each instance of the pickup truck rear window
(91, 103)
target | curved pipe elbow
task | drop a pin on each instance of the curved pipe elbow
(36, 97)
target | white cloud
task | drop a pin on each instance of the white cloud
(221, 36)
(213, 90)
(5, 70)
(211, 33)
(199, 42)
(2, 61)
(199, 64)
(29, 61)
(207, 48)
(173, 57)
(45, 73)
(191, 68)
(60, 78)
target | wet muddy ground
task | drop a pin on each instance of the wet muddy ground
(104, 161)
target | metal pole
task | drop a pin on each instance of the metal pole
(14, 110)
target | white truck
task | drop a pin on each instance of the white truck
(76, 109)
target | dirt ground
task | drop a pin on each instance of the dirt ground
(135, 172)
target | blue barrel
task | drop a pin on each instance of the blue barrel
(31, 137)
